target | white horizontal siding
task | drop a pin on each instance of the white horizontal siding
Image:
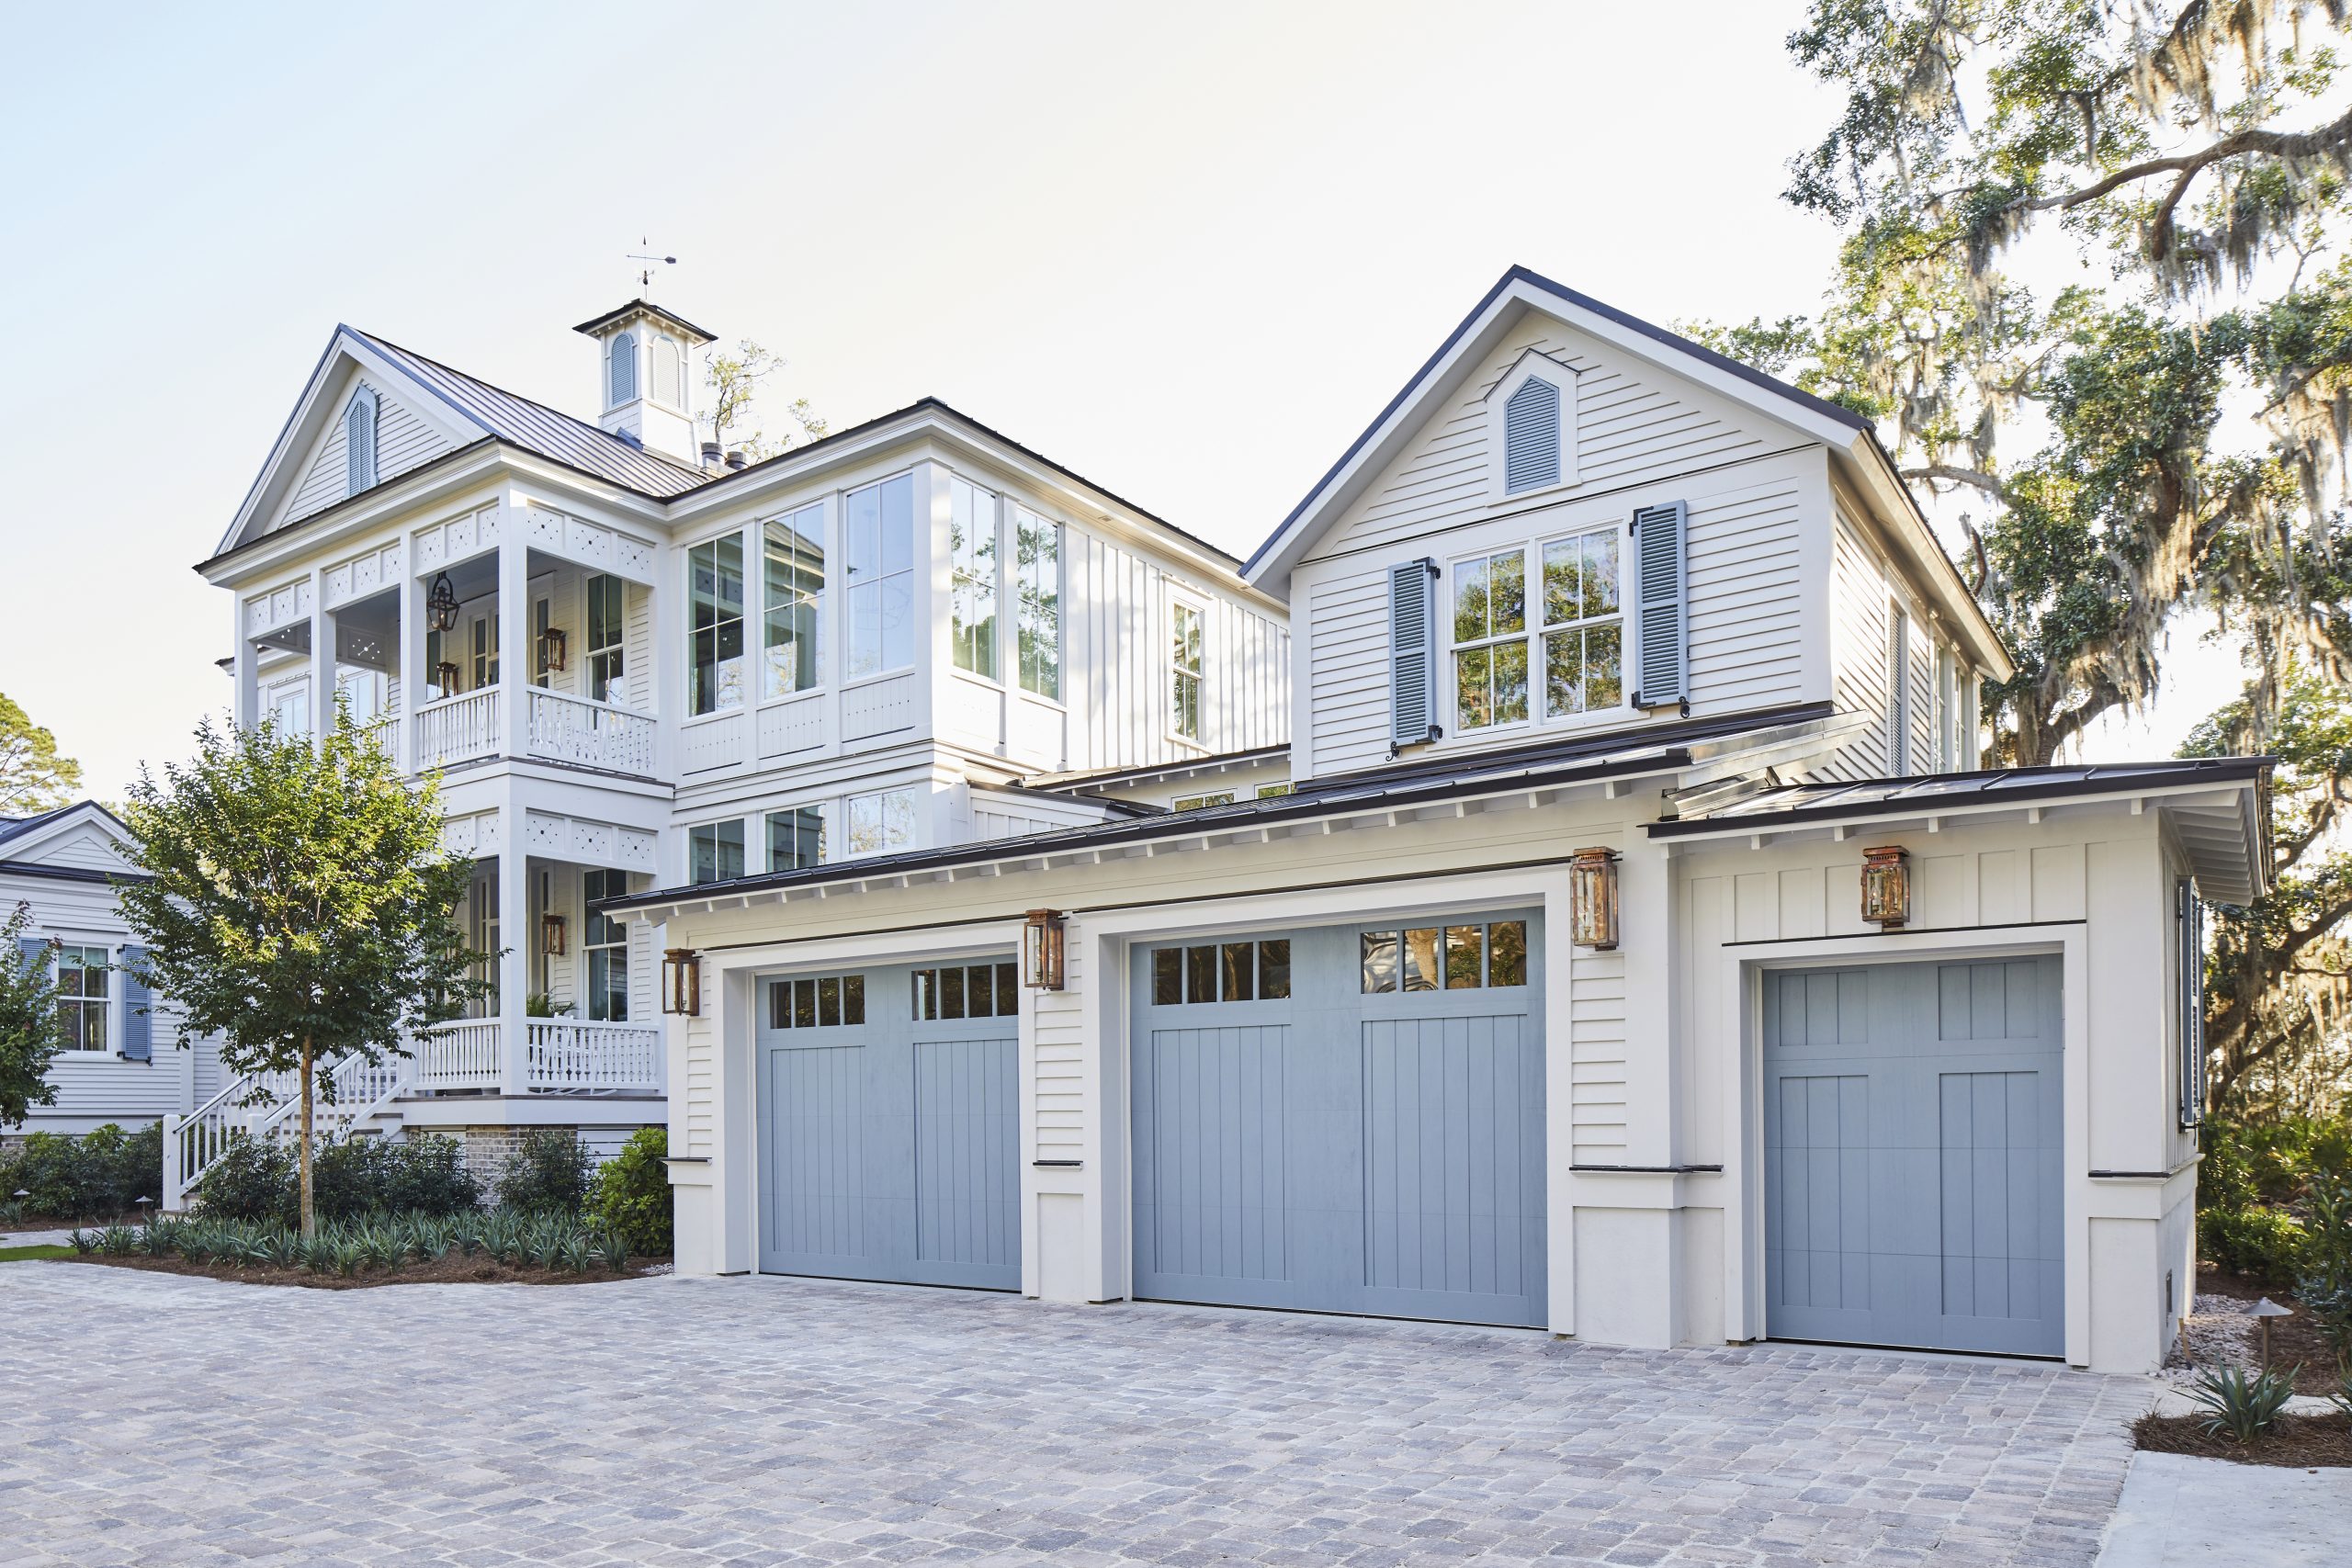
(402, 442)
(1747, 597)
(1597, 1057)
(1858, 651)
(1348, 675)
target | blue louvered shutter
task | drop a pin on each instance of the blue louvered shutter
(1412, 653)
(1660, 610)
(34, 950)
(2191, 925)
(138, 1024)
(359, 440)
(1532, 437)
(624, 368)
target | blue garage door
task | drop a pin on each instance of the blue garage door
(1346, 1119)
(889, 1127)
(1912, 1146)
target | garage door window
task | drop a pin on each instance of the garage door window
(817, 1002)
(1221, 972)
(975, 991)
(1428, 958)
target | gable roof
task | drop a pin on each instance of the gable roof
(1847, 433)
(24, 840)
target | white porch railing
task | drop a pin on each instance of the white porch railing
(462, 1054)
(384, 730)
(456, 729)
(352, 1096)
(590, 734)
(612, 1058)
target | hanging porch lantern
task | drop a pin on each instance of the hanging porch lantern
(682, 982)
(551, 935)
(1593, 899)
(441, 605)
(1886, 886)
(1041, 951)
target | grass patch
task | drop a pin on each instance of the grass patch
(29, 1254)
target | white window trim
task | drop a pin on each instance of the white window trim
(830, 827)
(1538, 718)
(915, 834)
(1449, 648)
(686, 845)
(920, 522)
(999, 514)
(115, 1012)
(827, 543)
(1532, 363)
(749, 538)
(1168, 670)
(1011, 553)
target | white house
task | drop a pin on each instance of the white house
(60, 864)
(633, 664)
(1361, 1031)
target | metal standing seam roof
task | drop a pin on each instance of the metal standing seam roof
(535, 427)
(1825, 802)
(1543, 765)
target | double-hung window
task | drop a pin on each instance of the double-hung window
(1037, 564)
(878, 529)
(1185, 663)
(1898, 695)
(1490, 640)
(290, 708)
(971, 548)
(1584, 624)
(605, 942)
(715, 851)
(882, 822)
(791, 640)
(484, 655)
(715, 624)
(606, 632)
(82, 998)
(796, 837)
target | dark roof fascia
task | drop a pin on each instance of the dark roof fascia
(68, 873)
(1273, 809)
(1837, 411)
(447, 459)
(16, 828)
(2063, 783)
(649, 307)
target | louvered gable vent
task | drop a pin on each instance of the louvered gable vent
(1532, 437)
(1661, 611)
(1412, 653)
(359, 441)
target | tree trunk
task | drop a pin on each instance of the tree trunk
(310, 1225)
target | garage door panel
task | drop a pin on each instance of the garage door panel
(816, 1107)
(1913, 1179)
(966, 1132)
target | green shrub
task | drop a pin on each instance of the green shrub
(101, 1173)
(2269, 1164)
(2265, 1242)
(251, 1181)
(2326, 1280)
(255, 1180)
(549, 1170)
(632, 1194)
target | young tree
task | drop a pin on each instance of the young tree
(298, 904)
(734, 381)
(31, 1030)
(33, 777)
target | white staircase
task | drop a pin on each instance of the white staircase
(269, 1105)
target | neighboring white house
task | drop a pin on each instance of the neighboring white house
(634, 665)
(117, 1065)
(1331, 1038)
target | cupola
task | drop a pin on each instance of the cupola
(645, 375)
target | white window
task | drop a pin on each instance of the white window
(542, 617)
(1198, 802)
(971, 549)
(290, 708)
(605, 943)
(487, 968)
(792, 613)
(82, 998)
(623, 369)
(1038, 561)
(484, 655)
(1584, 624)
(882, 823)
(715, 624)
(878, 525)
(1490, 640)
(1186, 660)
(1898, 696)
(796, 837)
(362, 692)
(715, 851)
(607, 630)
(1267, 791)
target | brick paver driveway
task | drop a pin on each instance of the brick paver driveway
(151, 1419)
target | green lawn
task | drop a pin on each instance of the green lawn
(24, 1254)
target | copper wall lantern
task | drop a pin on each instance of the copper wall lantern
(1593, 899)
(1041, 951)
(682, 982)
(1886, 886)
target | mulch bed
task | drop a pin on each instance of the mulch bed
(2299, 1441)
(450, 1270)
(2293, 1341)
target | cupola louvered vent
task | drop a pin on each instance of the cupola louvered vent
(359, 441)
(1532, 437)
(1661, 609)
(624, 352)
(1412, 653)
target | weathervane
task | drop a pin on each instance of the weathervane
(645, 274)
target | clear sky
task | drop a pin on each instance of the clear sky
(1187, 250)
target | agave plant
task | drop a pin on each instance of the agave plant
(84, 1242)
(612, 1250)
(119, 1241)
(161, 1237)
(2244, 1407)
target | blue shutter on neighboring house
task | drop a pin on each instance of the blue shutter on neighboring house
(1412, 653)
(359, 433)
(34, 950)
(1532, 437)
(1659, 674)
(138, 1024)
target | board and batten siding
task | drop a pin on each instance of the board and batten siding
(402, 442)
(1752, 592)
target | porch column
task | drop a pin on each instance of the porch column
(515, 936)
(321, 658)
(514, 638)
(410, 668)
(245, 696)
